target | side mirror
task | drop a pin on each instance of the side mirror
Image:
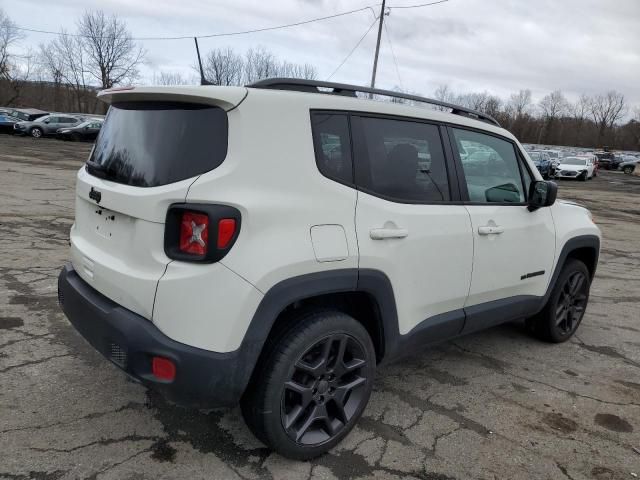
(47, 121)
(542, 194)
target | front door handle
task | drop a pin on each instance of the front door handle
(490, 230)
(383, 233)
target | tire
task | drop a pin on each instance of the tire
(561, 316)
(299, 377)
(628, 170)
(76, 137)
(36, 132)
(583, 177)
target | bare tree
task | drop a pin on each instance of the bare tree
(64, 59)
(112, 56)
(224, 67)
(171, 78)
(519, 103)
(296, 70)
(14, 70)
(259, 64)
(444, 94)
(606, 110)
(554, 105)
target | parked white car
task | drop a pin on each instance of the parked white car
(581, 168)
(290, 239)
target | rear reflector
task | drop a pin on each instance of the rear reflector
(194, 233)
(163, 369)
(226, 231)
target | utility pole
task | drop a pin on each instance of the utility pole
(375, 59)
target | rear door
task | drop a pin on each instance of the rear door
(145, 158)
(408, 225)
(514, 248)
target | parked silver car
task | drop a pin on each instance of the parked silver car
(47, 125)
(628, 163)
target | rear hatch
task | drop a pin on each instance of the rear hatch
(153, 145)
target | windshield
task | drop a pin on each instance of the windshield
(574, 161)
(147, 144)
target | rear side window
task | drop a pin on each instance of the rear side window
(332, 145)
(147, 144)
(401, 160)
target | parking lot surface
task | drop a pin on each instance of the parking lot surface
(493, 405)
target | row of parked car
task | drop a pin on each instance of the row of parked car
(37, 124)
(579, 164)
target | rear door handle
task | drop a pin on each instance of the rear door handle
(490, 230)
(383, 233)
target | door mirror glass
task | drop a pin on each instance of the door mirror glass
(47, 121)
(542, 194)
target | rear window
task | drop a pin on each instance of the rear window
(146, 144)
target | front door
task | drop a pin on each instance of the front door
(514, 248)
(407, 225)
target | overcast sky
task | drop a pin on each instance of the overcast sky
(501, 46)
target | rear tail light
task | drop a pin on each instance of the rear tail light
(194, 233)
(200, 232)
(226, 231)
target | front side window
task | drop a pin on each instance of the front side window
(332, 145)
(401, 160)
(492, 172)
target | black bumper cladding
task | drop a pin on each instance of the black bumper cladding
(203, 378)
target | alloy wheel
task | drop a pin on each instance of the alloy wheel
(325, 390)
(571, 303)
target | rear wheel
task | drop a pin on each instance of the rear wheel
(312, 386)
(562, 314)
(628, 169)
(36, 132)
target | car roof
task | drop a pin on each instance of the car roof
(229, 97)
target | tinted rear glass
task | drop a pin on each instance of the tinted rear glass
(146, 144)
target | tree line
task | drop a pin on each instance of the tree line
(66, 73)
(590, 121)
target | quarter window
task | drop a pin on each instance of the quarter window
(490, 167)
(332, 146)
(401, 160)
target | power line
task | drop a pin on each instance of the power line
(395, 60)
(420, 5)
(228, 34)
(353, 49)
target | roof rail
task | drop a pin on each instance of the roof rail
(314, 86)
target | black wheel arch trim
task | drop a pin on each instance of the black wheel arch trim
(571, 245)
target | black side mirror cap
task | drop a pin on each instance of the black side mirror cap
(542, 193)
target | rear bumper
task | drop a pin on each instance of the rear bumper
(203, 378)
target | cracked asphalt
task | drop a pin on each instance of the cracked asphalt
(493, 405)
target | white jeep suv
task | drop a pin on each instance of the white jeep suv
(273, 244)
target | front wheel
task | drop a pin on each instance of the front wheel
(628, 170)
(36, 132)
(312, 385)
(561, 316)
